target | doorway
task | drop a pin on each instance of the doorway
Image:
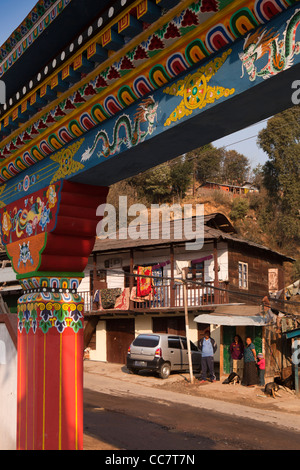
(255, 333)
(119, 336)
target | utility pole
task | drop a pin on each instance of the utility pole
(187, 325)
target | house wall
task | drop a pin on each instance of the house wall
(8, 390)
(116, 279)
(99, 354)
(143, 324)
(258, 268)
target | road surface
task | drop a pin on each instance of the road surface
(125, 415)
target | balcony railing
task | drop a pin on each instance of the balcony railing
(166, 296)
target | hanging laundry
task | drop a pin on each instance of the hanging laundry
(109, 296)
(144, 284)
(157, 287)
(122, 302)
(135, 298)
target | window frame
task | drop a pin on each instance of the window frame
(195, 273)
(241, 279)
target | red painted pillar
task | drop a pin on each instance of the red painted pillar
(49, 264)
(50, 372)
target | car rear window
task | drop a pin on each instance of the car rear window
(146, 341)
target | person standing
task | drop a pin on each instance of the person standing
(250, 377)
(237, 353)
(208, 347)
(261, 366)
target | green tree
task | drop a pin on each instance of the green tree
(239, 209)
(206, 163)
(235, 167)
(257, 176)
(181, 173)
(281, 141)
(157, 184)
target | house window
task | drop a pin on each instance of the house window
(195, 274)
(243, 275)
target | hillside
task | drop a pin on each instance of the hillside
(247, 219)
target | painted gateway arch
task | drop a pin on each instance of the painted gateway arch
(94, 95)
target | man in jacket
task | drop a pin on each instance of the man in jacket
(208, 347)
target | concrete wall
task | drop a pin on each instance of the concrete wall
(143, 324)
(99, 354)
(8, 390)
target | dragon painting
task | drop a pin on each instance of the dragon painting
(280, 52)
(146, 113)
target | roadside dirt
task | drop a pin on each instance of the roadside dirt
(286, 400)
(254, 397)
(102, 412)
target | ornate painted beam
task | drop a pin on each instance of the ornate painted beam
(156, 79)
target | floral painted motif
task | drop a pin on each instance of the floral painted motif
(68, 166)
(6, 223)
(195, 90)
(36, 311)
(51, 196)
(45, 218)
(31, 216)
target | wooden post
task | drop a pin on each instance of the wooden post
(221, 351)
(187, 326)
(296, 344)
(94, 272)
(131, 278)
(172, 293)
(216, 270)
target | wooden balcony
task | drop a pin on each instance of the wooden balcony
(164, 297)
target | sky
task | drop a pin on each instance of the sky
(13, 13)
(245, 142)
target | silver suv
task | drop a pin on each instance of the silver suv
(161, 353)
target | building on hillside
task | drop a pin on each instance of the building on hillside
(231, 188)
(225, 271)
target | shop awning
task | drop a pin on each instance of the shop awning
(231, 320)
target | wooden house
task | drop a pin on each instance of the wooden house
(231, 188)
(226, 271)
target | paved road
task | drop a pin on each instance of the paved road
(122, 414)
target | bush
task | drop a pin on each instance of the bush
(239, 209)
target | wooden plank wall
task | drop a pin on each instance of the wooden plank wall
(258, 283)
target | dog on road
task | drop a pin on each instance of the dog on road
(271, 389)
(232, 379)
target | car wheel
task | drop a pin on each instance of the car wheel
(165, 370)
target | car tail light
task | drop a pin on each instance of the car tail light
(128, 352)
(158, 353)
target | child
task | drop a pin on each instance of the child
(261, 366)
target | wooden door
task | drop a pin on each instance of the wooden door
(119, 336)
(170, 325)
